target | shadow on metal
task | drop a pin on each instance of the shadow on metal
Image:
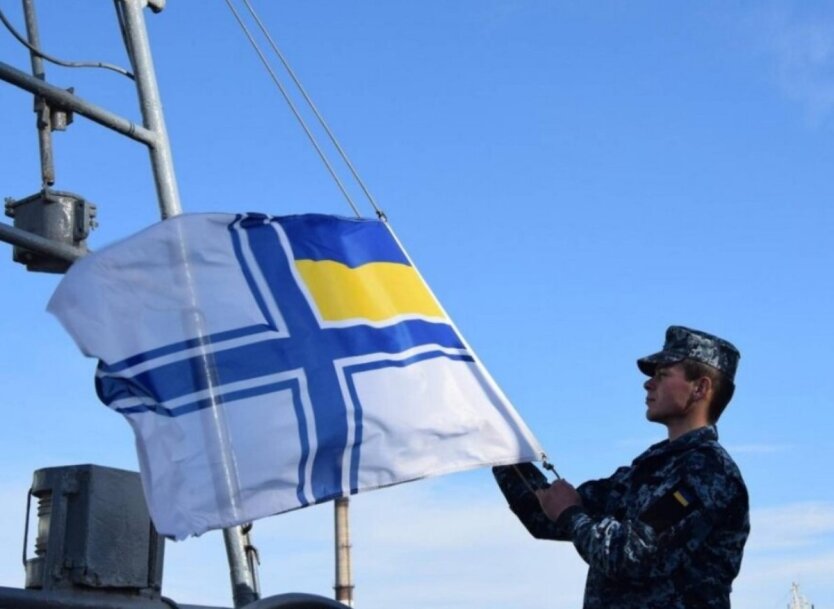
(15, 598)
(296, 600)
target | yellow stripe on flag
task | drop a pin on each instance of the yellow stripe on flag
(681, 499)
(375, 291)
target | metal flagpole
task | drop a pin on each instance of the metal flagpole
(154, 135)
(139, 50)
(344, 579)
(44, 119)
(55, 106)
(242, 570)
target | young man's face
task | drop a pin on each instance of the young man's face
(668, 394)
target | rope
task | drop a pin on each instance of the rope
(523, 479)
(315, 110)
(61, 62)
(293, 108)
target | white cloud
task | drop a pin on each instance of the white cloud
(443, 545)
(757, 449)
(451, 546)
(766, 582)
(799, 525)
(788, 543)
(802, 49)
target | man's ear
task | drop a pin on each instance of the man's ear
(703, 388)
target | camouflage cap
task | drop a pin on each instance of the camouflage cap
(685, 343)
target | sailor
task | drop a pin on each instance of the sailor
(667, 531)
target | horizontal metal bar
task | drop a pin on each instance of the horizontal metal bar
(70, 101)
(18, 598)
(15, 598)
(39, 244)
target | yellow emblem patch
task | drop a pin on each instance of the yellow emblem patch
(681, 499)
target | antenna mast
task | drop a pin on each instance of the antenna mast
(49, 229)
(798, 601)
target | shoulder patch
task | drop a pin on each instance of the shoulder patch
(671, 508)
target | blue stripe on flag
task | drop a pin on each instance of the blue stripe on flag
(185, 376)
(247, 272)
(351, 241)
(234, 396)
(221, 399)
(354, 396)
(183, 345)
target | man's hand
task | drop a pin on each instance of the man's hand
(556, 499)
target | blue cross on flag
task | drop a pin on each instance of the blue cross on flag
(269, 363)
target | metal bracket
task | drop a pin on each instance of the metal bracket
(156, 6)
(62, 218)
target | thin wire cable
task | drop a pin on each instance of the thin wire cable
(61, 62)
(293, 108)
(315, 110)
(126, 40)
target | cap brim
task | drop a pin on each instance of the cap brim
(649, 364)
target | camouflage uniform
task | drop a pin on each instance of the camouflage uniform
(665, 533)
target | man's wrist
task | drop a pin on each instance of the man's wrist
(565, 520)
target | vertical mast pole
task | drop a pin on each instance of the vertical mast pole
(344, 583)
(241, 569)
(139, 50)
(42, 109)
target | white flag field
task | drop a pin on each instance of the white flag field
(267, 363)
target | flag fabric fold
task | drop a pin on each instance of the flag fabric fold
(268, 363)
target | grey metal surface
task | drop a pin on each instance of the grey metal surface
(70, 101)
(59, 217)
(15, 598)
(344, 577)
(43, 121)
(149, 100)
(296, 600)
(36, 243)
(244, 588)
(94, 532)
(157, 6)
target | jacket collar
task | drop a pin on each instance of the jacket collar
(696, 437)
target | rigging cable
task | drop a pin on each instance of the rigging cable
(293, 108)
(60, 62)
(126, 40)
(315, 110)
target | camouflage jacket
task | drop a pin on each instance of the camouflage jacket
(667, 532)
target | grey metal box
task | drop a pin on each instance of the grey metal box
(94, 531)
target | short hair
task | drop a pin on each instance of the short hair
(722, 387)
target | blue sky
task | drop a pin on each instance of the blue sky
(570, 179)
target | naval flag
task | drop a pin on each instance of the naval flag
(269, 363)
